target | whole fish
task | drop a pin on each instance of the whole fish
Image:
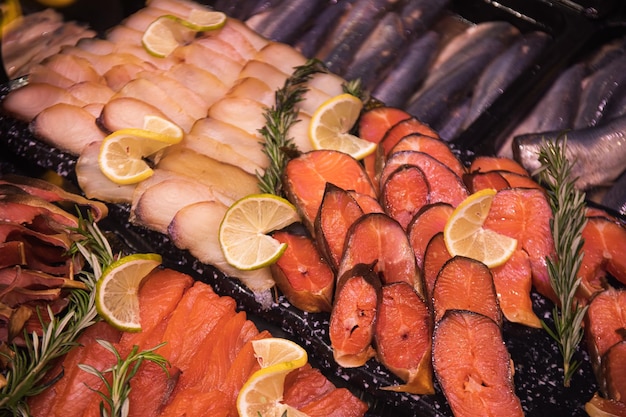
(377, 52)
(419, 15)
(598, 91)
(242, 10)
(284, 22)
(615, 197)
(409, 71)
(503, 70)
(356, 24)
(597, 153)
(606, 54)
(312, 40)
(555, 111)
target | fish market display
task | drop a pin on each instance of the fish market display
(374, 286)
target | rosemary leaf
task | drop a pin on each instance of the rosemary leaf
(28, 367)
(278, 146)
(115, 400)
(568, 209)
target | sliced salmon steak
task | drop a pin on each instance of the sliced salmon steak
(614, 371)
(151, 381)
(477, 181)
(159, 295)
(465, 284)
(599, 406)
(304, 385)
(401, 129)
(445, 186)
(432, 146)
(373, 124)
(404, 193)
(351, 327)
(377, 239)
(403, 338)
(426, 223)
(603, 252)
(605, 322)
(435, 256)
(305, 179)
(496, 163)
(473, 366)
(525, 214)
(517, 180)
(339, 402)
(513, 281)
(302, 274)
(197, 403)
(367, 203)
(338, 211)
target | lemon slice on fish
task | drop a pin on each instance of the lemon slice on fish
(243, 233)
(331, 125)
(117, 299)
(464, 234)
(168, 32)
(123, 153)
(262, 394)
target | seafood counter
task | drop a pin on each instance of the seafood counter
(448, 82)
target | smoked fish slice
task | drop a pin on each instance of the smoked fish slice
(403, 338)
(465, 284)
(473, 366)
(404, 193)
(427, 222)
(434, 147)
(435, 256)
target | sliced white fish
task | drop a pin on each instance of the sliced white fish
(127, 112)
(215, 44)
(67, 127)
(73, 67)
(327, 82)
(41, 74)
(27, 102)
(223, 67)
(208, 87)
(282, 56)
(229, 34)
(201, 239)
(94, 184)
(264, 71)
(119, 75)
(95, 109)
(91, 92)
(244, 113)
(256, 40)
(253, 88)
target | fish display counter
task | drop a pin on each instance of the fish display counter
(477, 72)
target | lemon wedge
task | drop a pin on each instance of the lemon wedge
(331, 125)
(117, 290)
(262, 394)
(464, 234)
(168, 32)
(243, 233)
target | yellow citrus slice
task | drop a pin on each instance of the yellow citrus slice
(262, 394)
(273, 351)
(243, 233)
(167, 32)
(157, 124)
(464, 234)
(122, 154)
(331, 125)
(117, 290)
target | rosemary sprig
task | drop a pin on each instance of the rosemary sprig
(278, 146)
(568, 208)
(118, 389)
(28, 367)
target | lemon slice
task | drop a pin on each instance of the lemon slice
(122, 154)
(117, 290)
(331, 125)
(262, 394)
(243, 233)
(168, 32)
(273, 351)
(157, 124)
(464, 234)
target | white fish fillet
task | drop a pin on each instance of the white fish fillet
(127, 112)
(27, 102)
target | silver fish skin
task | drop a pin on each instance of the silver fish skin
(456, 77)
(377, 51)
(555, 111)
(606, 54)
(503, 70)
(284, 22)
(311, 41)
(597, 153)
(242, 10)
(419, 15)
(598, 91)
(408, 72)
(355, 25)
(615, 197)
(452, 123)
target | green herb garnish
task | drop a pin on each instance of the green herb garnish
(568, 208)
(278, 146)
(115, 400)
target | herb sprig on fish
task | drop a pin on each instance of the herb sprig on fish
(568, 207)
(278, 146)
(27, 367)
